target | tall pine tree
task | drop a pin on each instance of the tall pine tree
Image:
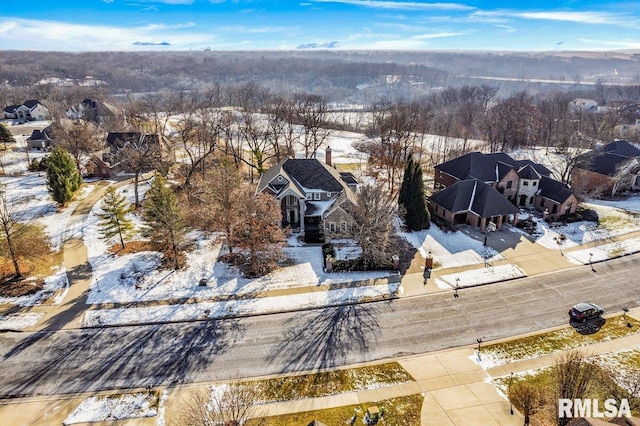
(63, 178)
(6, 136)
(113, 219)
(164, 221)
(412, 197)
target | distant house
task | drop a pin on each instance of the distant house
(40, 139)
(29, 111)
(608, 170)
(91, 110)
(521, 183)
(313, 196)
(97, 168)
(584, 105)
(116, 141)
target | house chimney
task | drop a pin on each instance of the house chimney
(327, 156)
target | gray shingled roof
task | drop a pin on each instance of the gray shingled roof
(307, 174)
(486, 167)
(31, 103)
(554, 190)
(311, 174)
(622, 148)
(609, 159)
(604, 163)
(475, 196)
(528, 172)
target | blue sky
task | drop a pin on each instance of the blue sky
(129, 25)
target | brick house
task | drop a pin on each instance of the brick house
(313, 196)
(522, 183)
(607, 170)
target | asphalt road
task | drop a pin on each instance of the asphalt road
(72, 361)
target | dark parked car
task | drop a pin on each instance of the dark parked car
(584, 311)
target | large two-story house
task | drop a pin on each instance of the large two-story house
(313, 196)
(30, 110)
(479, 188)
(607, 170)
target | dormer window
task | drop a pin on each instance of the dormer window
(316, 195)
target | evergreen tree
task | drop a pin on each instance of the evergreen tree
(163, 218)
(6, 136)
(113, 219)
(63, 178)
(412, 197)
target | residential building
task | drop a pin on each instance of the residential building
(521, 183)
(313, 196)
(91, 110)
(607, 170)
(29, 111)
(40, 139)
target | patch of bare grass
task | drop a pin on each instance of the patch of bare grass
(331, 382)
(402, 411)
(556, 340)
(35, 270)
(131, 247)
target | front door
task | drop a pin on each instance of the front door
(523, 200)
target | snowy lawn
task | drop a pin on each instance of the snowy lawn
(56, 284)
(450, 249)
(139, 276)
(19, 321)
(479, 276)
(114, 407)
(232, 308)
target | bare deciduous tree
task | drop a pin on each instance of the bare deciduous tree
(139, 156)
(311, 112)
(373, 214)
(527, 398)
(257, 231)
(19, 238)
(199, 132)
(574, 377)
(79, 138)
(231, 405)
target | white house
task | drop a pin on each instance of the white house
(29, 111)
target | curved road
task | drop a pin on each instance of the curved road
(71, 361)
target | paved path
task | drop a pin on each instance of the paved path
(69, 313)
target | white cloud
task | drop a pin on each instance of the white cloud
(27, 34)
(613, 44)
(439, 35)
(586, 17)
(252, 30)
(508, 28)
(401, 5)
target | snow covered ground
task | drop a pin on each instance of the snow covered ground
(113, 408)
(138, 277)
